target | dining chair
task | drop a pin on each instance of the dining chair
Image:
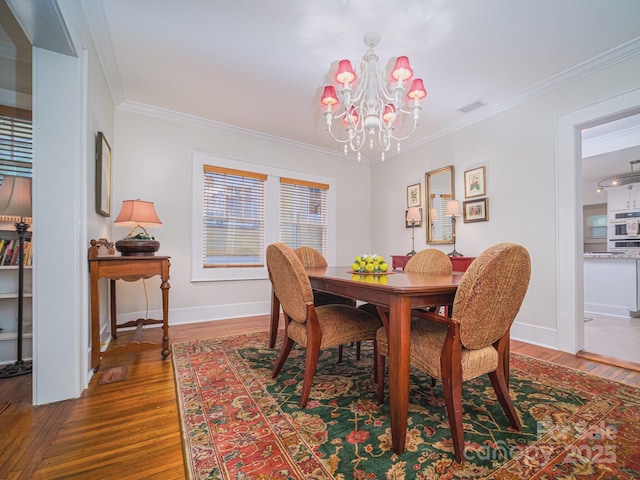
(315, 328)
(475, 340)
(310, 258)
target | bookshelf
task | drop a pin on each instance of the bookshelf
(9, 299)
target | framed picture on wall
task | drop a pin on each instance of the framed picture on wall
(103, 176)
(414, 195)
(474, 183)
(476, 210)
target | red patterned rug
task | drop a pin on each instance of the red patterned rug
(238, 423)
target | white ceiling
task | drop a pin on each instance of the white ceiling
(261, 65)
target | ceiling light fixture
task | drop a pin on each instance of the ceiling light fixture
(622, 179)
(369, 106)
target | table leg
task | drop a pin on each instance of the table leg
(112, 309)
(399, 365)
(274, 320)
(165, 310)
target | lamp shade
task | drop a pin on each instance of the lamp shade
(329, 96)
(417, 91)
(137, 213)
(15, 199)
(413, 214)
(434, 215)
(452, 208)
(402, 70)
(345, 74)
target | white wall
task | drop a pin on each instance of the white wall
(57, 239)
(152, 155)
(71, 102)
(518, 147)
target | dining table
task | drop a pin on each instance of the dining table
(395, 292)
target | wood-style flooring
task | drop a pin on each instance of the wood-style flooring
(130, 429)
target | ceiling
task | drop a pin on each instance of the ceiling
(261, 65)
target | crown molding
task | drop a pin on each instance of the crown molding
(212, 125)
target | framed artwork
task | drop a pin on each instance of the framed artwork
(474, 183)
(414, 195)
(408, 223)
(103, 176)
(476, 210)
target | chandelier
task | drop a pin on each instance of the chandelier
(368, 106)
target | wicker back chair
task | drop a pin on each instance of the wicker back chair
(429, 260)
(475, 340)
(315, 328)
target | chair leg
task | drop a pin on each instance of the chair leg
(284, 353)
(501, 388)
(380, 361)
(311, 363)
(452, 388)
(375, 362)
(340, 350)
(357, 350)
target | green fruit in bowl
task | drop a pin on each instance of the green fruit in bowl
(370, 263)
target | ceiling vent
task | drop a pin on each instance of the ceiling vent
(472, 106)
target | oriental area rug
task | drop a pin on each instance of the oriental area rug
(238, 423)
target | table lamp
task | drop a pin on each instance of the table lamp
(137, 214)
(15, 206)
(452, 209)
(414, 217)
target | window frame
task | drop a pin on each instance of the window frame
(272, 215)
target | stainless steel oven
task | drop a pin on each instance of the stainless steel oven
(624, 231)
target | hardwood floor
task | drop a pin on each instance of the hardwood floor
(130, 429)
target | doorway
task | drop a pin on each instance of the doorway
(608, 148)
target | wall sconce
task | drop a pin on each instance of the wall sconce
(137, 214)
(452, 209)
(413, 217)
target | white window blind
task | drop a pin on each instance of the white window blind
(303, 214)
(16, 144)
(233, 220)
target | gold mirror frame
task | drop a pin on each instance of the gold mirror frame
(439, 188)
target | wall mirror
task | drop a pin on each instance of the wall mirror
(438, 190)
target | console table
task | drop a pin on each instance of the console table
(458, 264)
(128, 268)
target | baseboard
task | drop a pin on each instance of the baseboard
(536, 335)
(180, 316)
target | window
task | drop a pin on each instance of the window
(303, 214)
(595, 223)
(238, 208)
(233, 220)
(16, 147)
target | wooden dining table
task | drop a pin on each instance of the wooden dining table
(399, 292)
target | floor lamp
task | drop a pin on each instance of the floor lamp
(15, 206)
(452, 209)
